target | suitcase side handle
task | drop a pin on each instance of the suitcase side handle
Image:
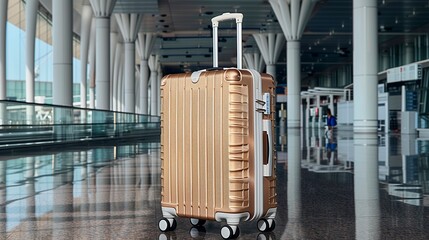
(268, 165)
(215, 24)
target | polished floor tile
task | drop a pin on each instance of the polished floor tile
(342, 186)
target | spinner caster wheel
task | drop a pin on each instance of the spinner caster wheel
(197, 222)
(166, 224)
(265, 226)
(227, 232)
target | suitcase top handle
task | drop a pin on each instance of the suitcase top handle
(215, 23)
(227, 16)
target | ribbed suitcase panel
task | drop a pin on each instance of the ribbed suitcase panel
(205, 145)
(239, 145)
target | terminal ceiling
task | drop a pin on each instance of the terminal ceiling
(184, 34)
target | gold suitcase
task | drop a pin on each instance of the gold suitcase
(217, 147)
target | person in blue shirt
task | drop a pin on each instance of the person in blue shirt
(331, 121)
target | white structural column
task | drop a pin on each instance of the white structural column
(137, 89)
(115, 86)
(102, 11)
(154, 99)
(409, 53)
(30, 32)
(365, 65)
(385, 60)
(307, 112)
(254, 61)
(85, 32)
(92, 66)
(113, 43)
(158, 90)
(145, 44)
(3, 21)
(62, 42)
(121, 84)
(129, 24)
(293, 15)
(293, 83)
(319, 112)
(270, 46)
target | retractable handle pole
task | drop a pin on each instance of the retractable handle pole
(215, 23)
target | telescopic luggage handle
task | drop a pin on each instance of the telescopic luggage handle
(215, 23)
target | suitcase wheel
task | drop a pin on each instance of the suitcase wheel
(227, 232)
(166, 224)
(197, 222)
(265, 225)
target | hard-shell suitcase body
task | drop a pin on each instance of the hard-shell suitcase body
(217, 154)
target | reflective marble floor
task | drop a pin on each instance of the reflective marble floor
(342, 186)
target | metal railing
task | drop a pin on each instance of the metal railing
(28, 124)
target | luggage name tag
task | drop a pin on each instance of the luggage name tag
(267, 99)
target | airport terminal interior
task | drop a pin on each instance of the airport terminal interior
(81, 117)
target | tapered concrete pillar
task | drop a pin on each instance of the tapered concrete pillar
(129, 24)
(293, 83)
(307, 112)
(92, 61)
(121, 83)
(113, 43)
(319, 112)
(385, 60)
(116, 87)
(158, 89)
(3, 21)
(85, 32)
(254, 61)
(366, 189)
(293, 16)
(137, 89)
(145, 44)
(30, 32)
(365, 65)
(409, 53)
(102, 11)
(270, 46)
(62, 43)
(154, 98)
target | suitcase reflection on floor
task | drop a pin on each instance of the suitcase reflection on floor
(201, 233)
